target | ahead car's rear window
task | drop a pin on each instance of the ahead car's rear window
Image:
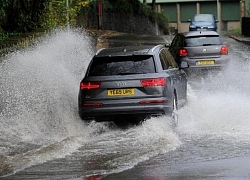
(202, 41)
(122, 65)
(203, 18)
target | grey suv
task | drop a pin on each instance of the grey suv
(132, 83)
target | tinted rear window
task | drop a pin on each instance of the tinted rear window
(203, 17)
(122, 65)
(202, 41)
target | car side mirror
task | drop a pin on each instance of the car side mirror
(217, 21)
(184, 65)
(189, 20)
(167, 45)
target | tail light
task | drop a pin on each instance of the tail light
(153, 82)
(89, 85)
(224, 50)
(183, 52)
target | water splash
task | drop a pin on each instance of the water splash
(221, 103)
(39, 87)
(38, 113)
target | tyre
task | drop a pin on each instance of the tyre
(85, 119)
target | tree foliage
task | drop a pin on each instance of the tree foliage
(62, 12)
(19, 16)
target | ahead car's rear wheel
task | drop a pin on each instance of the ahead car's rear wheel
(174, 112)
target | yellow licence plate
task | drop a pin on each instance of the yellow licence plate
(206, 62)
(121, 92)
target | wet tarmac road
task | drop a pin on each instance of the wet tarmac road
(42, 136)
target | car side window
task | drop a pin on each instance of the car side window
(175, 41)
(168, 58)
(178, 41)
(163, 63)
(181, 41)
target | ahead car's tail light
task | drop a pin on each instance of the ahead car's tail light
(153, 101)
(183, 52)
(153, 82)
(92, 104)
(224, 50)
(89, 85)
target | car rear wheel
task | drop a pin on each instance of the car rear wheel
(85, 119)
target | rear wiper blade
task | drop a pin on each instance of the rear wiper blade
(207, 44)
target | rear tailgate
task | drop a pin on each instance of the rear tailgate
(124, 87)
(202, 52)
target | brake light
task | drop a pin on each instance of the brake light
(153, 82)
(89, 85)
(92, 104)
(224, 50)
(183, 52)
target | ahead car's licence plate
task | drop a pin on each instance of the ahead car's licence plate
(121, 92)
(206, 62)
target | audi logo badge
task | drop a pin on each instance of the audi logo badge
(121, 83)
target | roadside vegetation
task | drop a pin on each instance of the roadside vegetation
(22, 16)
(234, 32)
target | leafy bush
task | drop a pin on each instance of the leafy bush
(25, 16)
(60, 13)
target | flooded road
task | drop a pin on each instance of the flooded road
(42, 136)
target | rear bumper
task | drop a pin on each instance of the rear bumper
(197, 68)
(139, 110)
(220, 64)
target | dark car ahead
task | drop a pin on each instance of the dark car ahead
(203, 22)
(202, 50)
(131, 83)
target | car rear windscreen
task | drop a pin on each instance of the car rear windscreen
(122, 65)
(203, 18)
(202, 41)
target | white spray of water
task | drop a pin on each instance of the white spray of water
(39, 87)
(221, 105)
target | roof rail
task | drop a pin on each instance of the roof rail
(153, 48)
(99, 51)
